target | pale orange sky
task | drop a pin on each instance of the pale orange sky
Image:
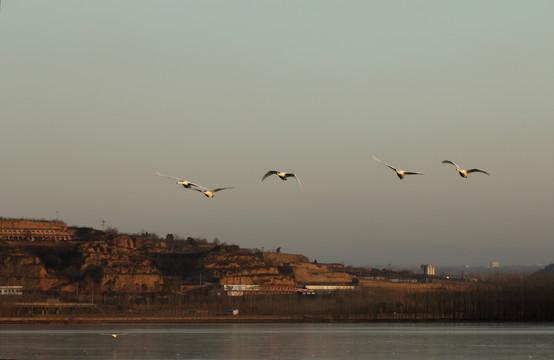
(98, 96)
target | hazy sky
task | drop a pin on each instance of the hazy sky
(97, 96)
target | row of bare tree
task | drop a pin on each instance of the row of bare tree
(504, 298)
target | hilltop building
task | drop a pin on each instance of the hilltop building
(11, 290)
(31, 230)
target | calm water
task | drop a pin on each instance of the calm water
(279, 341)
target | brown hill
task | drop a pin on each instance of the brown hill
(93, 261)
(85, 271)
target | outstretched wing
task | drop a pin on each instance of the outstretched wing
(412, 173)
(219, 189)
(169, 177)
(269, 173)
(451, 162)
(294, 176)
(384, 163)
(477, 170)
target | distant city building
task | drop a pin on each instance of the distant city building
(494, 264)
(428, 270)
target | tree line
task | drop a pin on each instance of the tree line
(500, 298)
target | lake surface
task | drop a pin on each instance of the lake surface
(279, 341)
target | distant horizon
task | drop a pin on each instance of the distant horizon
(380, 266)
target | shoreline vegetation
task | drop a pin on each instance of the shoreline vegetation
(513, 301)
(228, 319)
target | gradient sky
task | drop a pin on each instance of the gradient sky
(97, 96)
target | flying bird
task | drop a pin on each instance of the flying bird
(283, 175)
(210, 192)
(399, 173)
(463, 173)
(186, 184)
(114, 335)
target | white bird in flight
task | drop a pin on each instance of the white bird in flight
(114, 335)
(399, 173)
(185, 183)
(463, 173)
(283, 175)
(210, 192)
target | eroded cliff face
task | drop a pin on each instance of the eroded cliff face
(307, 273)
(27, 270)
(121, 266)
(113, 263)
(280, 259)
(242, 266)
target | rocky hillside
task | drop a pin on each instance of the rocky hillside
(109, 263)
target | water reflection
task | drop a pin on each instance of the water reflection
(277, 341)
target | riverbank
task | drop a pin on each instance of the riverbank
(122, 319)
(128, 319)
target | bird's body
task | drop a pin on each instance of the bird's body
(282, 175)
(463, 173)
(400, 173)
(114, 335)
(186, 184)
(210, 192)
